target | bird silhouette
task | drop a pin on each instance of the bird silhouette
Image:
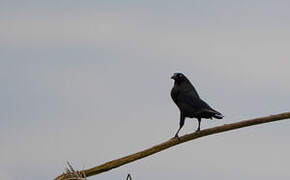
(189, 103)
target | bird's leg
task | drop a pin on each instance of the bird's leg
(176, 134)
(181, 123)
(198, 129)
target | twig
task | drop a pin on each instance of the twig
(172, 142)
(129, 177)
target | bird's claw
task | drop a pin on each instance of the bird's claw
(176, 136)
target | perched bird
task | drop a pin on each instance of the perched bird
(189, 103)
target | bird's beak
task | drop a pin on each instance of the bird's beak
(173, 76)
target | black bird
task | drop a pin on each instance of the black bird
(189, 103)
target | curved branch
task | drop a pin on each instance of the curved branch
(172, 142)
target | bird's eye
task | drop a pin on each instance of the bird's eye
(179, 75)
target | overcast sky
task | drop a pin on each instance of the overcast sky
(89, 81)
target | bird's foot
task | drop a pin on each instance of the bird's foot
(176, 136)
(197, 130)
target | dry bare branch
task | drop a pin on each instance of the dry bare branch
(172, 142)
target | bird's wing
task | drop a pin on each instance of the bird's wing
(196, 106)
(193, 101)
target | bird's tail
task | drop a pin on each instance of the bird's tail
(218, 115)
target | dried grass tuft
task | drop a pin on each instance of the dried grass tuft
(71, 174)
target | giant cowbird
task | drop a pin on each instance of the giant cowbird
(189, 103)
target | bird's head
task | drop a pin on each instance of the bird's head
(178, 77)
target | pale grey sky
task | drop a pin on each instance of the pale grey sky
(88, 82)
